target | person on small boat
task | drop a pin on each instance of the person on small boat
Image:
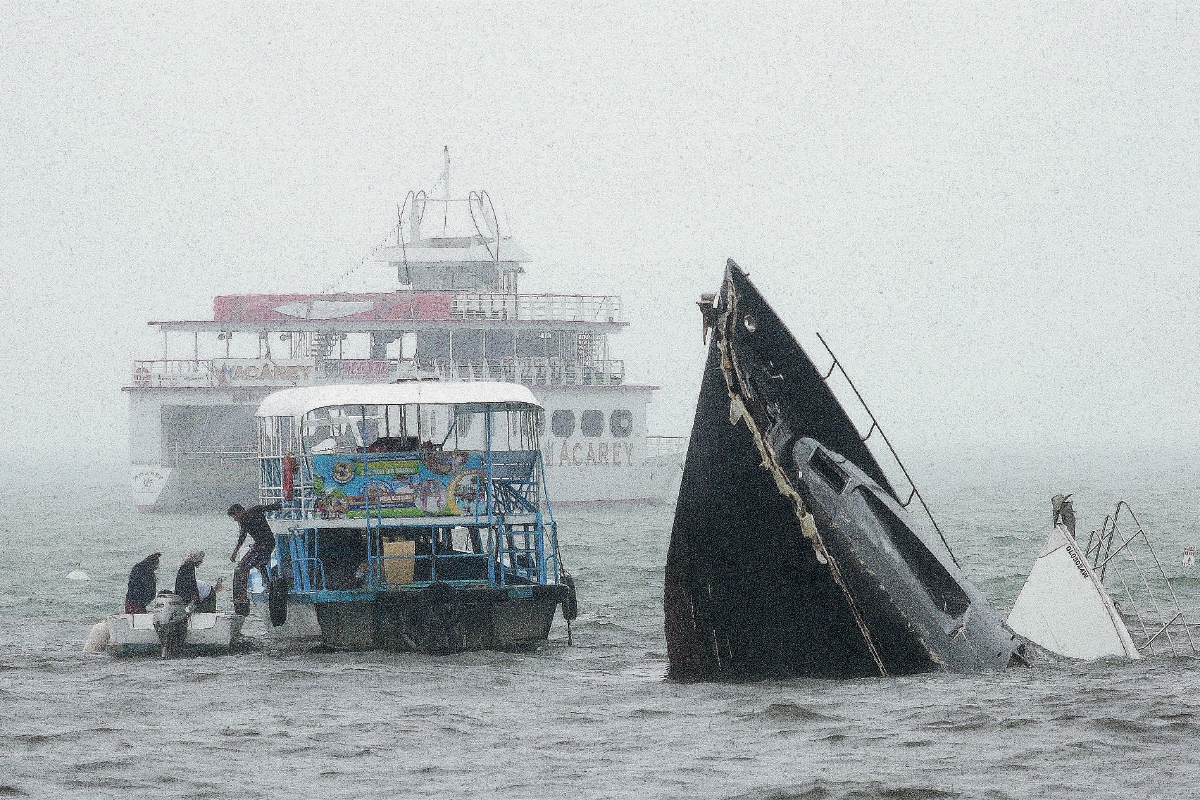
(143, 584)
(190, 590)
(251, 522)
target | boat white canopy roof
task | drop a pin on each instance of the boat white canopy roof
(299, 401)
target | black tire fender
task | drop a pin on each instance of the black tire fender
(570, 601)
(277, 599)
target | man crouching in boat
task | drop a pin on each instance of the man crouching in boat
(200, 595)
(252, 523)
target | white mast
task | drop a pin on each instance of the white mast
(446, 186)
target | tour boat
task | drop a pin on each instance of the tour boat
(413, 516)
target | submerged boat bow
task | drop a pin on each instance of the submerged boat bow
(791, 554)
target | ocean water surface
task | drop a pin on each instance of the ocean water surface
(596, 720)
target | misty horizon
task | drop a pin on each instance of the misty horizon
(991, 216)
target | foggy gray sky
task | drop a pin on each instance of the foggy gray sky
(990, 213)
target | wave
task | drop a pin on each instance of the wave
(854, 790)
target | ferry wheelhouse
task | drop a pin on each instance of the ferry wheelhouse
(416, 517)
(448, 305)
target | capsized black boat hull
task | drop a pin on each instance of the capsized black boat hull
(777, 568)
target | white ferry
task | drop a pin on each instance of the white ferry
(453, 311)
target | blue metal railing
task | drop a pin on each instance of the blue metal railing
(307, 571)
(508, 532)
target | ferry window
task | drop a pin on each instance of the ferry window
(562, 423)
(432, 345)
(468, 346)
(499, 346)
(621, 423)
(562, 345)
(533, 344)
(591, 423)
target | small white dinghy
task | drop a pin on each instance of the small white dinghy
(1063, 607)
(134, 634)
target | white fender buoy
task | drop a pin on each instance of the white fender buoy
(97, 639)
(78, 575)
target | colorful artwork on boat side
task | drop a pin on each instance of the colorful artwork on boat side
(399, 485)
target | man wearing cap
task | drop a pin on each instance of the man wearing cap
(251, 522)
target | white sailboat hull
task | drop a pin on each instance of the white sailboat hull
(1064, 608)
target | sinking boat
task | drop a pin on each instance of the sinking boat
(1066, 607)
(414, 516)
(167, 628)
(791, 554)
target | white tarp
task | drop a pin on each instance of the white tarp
(1064, 608)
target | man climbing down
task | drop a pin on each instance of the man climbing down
(251, 522)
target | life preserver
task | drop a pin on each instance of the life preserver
(289, 476)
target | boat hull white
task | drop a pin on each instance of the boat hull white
(1064, 608)
(134, 634)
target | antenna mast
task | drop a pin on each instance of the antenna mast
(446, 186)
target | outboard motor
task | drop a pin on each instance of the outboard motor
(170, 622)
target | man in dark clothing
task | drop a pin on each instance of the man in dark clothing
(143, 584)
(251, 522)
(189, 590)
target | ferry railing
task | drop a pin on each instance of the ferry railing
(555, 554)
(364, 370)
(178, 454)
(250, 371)
(172, 372)
(520, 554)
(512, 554)
(279, 443)
(875, 426)
(308, 571)
(663, 446)
(537, 307)
(515, 553)
(529, 371)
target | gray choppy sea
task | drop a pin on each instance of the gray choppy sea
(596, 720)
